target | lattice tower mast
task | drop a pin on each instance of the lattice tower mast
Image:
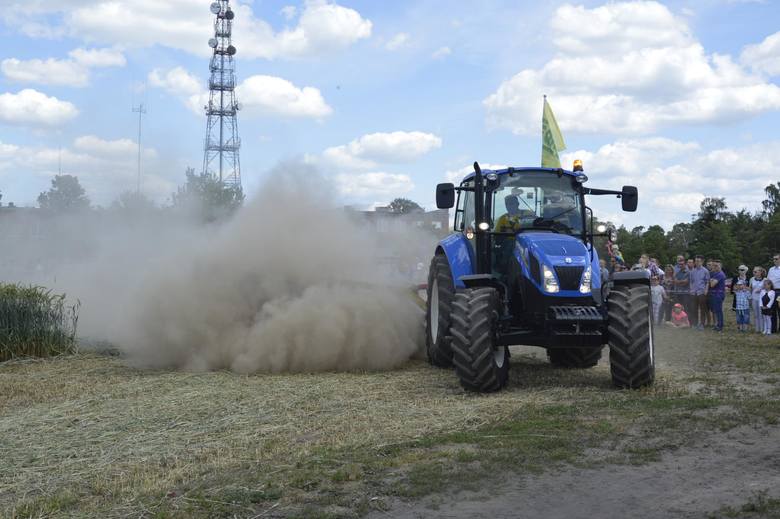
(220, 155)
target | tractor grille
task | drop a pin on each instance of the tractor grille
(569, 277)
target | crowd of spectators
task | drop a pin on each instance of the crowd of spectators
(691, 293)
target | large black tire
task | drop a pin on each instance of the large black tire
(441, 291)
(631, 336)
(481, 364)
(574, 357)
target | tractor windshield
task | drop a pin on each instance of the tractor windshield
(532, 200)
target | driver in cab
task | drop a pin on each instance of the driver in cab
(512, 221)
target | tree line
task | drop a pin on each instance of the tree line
(714, 232)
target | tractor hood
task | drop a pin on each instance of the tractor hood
(566, 258)
(555, 249)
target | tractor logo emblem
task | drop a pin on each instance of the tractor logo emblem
(568, 260)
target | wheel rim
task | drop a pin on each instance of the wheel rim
(434, 306)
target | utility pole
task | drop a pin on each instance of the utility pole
(140, 110)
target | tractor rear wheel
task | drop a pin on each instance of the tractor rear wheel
(574, 357)
(631, 340)
(441, 290)
(481, 364)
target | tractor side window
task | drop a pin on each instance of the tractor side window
(464, 216)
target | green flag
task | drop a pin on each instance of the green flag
(552, 140)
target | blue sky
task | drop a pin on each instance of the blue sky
(387, 99)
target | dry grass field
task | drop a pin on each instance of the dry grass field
(86, 436)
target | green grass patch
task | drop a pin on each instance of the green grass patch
(34, 322)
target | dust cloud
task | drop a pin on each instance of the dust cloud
(291, 283)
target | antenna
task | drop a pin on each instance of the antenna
(140, 110)
(221, 146)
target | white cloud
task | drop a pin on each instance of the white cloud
(98, 57)
(367, 185)
(259, 96)
(323, 27)
(176, 81)
(30, 107)
(119, 148)
(389, 148)
(441, 52)
(47, 72)
(673, 176)
(628, 67)
(288, 11)
(764, 56)
(398, 41)
(74, 72)
(274, 96)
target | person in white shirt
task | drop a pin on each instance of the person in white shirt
(756, 285)
(773, 275)
(657, 296)
(768, 305)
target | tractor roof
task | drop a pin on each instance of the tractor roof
(520, 170)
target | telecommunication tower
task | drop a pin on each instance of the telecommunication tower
(220, 155)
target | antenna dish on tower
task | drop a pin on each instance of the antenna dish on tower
(213, 43)
(231, 50)
(216, 8)
(230, 14)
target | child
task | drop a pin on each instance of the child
(679, 317)
(657, 294)
(767, 302)
(742, 304)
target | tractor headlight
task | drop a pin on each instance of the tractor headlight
(585, 285)
(550, 283)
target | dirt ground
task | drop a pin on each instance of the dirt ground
(723, 470)
(732, 473)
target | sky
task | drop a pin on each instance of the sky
(387, 99)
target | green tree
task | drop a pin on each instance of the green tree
(680, 238)
(133, 201)
(770, 238)
(656, 244)
(772, 203)
(404, 206)
(207, 195)
(712, 209)
(65, 195)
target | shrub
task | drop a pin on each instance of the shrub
(35, 323)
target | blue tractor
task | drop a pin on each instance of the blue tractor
(521, 269)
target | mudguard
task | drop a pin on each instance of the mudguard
(459, 255)
(631, 277)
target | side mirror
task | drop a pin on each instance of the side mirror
(630, 198)
(445, 196)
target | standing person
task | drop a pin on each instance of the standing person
(700, 280)
(717, 293)
(742, 304)
(773, 275)
(741, 276)
(682, 283)
(768, 303)
(657, 296)
(671, 293)
(756, 285)
(690, 264)
(604, 272)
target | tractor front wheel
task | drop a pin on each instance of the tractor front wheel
(631, 340)
(574, 357)
(441, 290)
(481, 364)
